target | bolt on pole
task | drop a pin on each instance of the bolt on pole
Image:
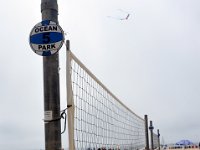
(146, 132)
(151, 134)
(49, 10)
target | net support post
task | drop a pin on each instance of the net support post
(70, 103)
(151, 134)
(146, 132)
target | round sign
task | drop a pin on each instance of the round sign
(46, 38)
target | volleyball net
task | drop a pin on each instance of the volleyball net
(155, 141)
(97, 119)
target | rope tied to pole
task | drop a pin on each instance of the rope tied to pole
(63, 115)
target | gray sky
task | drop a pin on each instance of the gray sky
(151, 62)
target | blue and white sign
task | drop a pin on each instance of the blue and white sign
(46, 38)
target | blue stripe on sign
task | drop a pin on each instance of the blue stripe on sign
(45, 22)
(46, 53)
(42, 38)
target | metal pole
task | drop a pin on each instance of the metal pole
(158, 139)
(49, 10)
(146, 131)
(151, 134)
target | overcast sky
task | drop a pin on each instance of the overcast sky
(151, 62)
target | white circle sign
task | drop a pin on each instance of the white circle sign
(46, 38)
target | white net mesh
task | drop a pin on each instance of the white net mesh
(101, 121)
(155, 140)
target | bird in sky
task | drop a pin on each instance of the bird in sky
(126, 17)
(122, 16)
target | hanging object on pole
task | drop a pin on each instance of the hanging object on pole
(46, 38)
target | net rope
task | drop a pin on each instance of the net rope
(101, 121)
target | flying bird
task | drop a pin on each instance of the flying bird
(122, 16)
(126, 17)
